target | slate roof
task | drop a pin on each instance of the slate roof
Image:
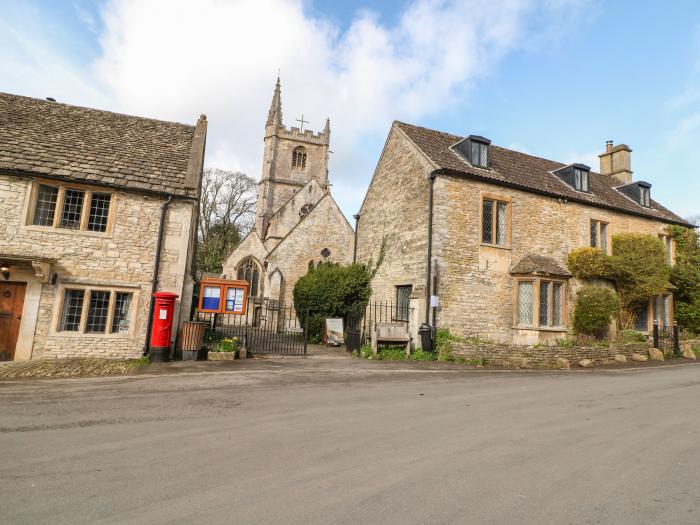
(94, 146)
(528, 173)
(540, 265)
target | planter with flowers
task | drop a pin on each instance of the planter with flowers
(225, 349)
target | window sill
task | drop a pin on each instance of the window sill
(498, 246)
(64, 333)
(67, 231)
(560, 329)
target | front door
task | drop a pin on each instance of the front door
(11, 305)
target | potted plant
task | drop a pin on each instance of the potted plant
(225, 349)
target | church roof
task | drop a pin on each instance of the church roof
(526, 172)
(54, 140)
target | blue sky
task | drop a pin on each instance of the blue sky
(555, 78)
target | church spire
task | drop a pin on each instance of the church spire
(274, 116)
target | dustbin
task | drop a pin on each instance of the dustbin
(426, 337)
(192, 339)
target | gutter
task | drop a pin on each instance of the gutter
(354, 248)
(156, 270)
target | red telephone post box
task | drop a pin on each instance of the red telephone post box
(162, 328)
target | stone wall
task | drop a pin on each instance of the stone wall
(511, 356)
(121, 258)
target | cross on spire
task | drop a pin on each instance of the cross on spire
(302, 121)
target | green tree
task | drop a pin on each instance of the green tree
(595, 309)
(685, 276)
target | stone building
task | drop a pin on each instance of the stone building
(478, 235)
(82, 196)
(298, 223)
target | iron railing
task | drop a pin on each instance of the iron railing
(667, 339)
(359, 326)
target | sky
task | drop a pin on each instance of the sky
(553, 78)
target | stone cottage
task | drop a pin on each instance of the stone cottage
(298, 223)
(478, 235)
(88, 199)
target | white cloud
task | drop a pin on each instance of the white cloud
(175, 59)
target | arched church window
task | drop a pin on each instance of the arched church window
(305, 209)
(249, 271)
(299, 158)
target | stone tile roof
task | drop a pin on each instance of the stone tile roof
(515, 169)
(93, 146)
(540, 265)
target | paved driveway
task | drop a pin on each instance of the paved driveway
(331, 441)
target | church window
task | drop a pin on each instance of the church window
(299, 158)
(305, 209)
(249, 271)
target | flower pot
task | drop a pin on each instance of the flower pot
(222, 356)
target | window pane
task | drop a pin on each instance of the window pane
(525, 302)
(211, 300)
(99, 210)
(487, 222)
(584, 180)
(577, 179)
(594, 234)
(403, 294)
(474, 153)
(544, 303)
(122, 311)
(501, 223)
(72, 310)
(604, 237)
(557, 304)
(72, 209)
(483, 151)
(97, 312)
(641, 318)
(45, 205)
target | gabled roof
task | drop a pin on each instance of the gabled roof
(93, 146)
(528, 173)
(538, 265)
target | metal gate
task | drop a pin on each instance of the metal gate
(667, 339)
(268, 328)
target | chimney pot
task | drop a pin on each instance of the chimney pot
(608, 146)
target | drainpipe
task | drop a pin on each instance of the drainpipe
(156, 269)
(354, 249)
(425, 329)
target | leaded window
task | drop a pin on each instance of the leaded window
(644, 196)
(526, 300)
(72, 310)
(45, 207)
(72, 209)
(547, 306)
(641, 318)
(122, 312)
(99, 212)
(545, 287)
(580, 179)
(599, 235)
(494, 222)
(299, 158)
(478, 154)
(403, 294)
(97, 311)
(249, 271)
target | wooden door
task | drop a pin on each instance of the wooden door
(11, 305)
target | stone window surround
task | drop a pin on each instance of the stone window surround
(608, 232)
(670, 247)
(87, 288)
(30, 205)
(508, 201)
(535, 280)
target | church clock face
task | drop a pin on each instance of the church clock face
(305, 209)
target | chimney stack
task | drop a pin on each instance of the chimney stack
(616, 162)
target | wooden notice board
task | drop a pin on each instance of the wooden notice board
(223, 296)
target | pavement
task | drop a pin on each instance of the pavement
(350, 441)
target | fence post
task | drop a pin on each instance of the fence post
(656, 334)
(676, 339)
(306, 330)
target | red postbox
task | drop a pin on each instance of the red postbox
(162, 328)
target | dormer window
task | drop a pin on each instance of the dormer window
(640, 192)
(475, 150)
(576, 176)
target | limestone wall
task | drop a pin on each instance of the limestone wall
(122, 258)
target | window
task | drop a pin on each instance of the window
(580, 179)
(641, 318)
(249, 271)
(106, 311)
(305, 210)
(45, 207)
(599, 235)
(540, 302)
(403, 295)
(70, 208)
(494, 222)
(299, 158)
(478, 154)
(645, 196)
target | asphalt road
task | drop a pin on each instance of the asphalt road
(337, 442)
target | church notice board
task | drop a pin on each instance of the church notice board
(223, 296)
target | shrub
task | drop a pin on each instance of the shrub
(443, 344)
(589, 263)
(685, 276)
(330, 290)
(595, 309)
(421, 355)
(391, 354)
(631, 336)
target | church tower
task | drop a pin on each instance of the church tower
(292, 157)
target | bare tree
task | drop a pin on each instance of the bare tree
(694, 219)
(227, 213)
